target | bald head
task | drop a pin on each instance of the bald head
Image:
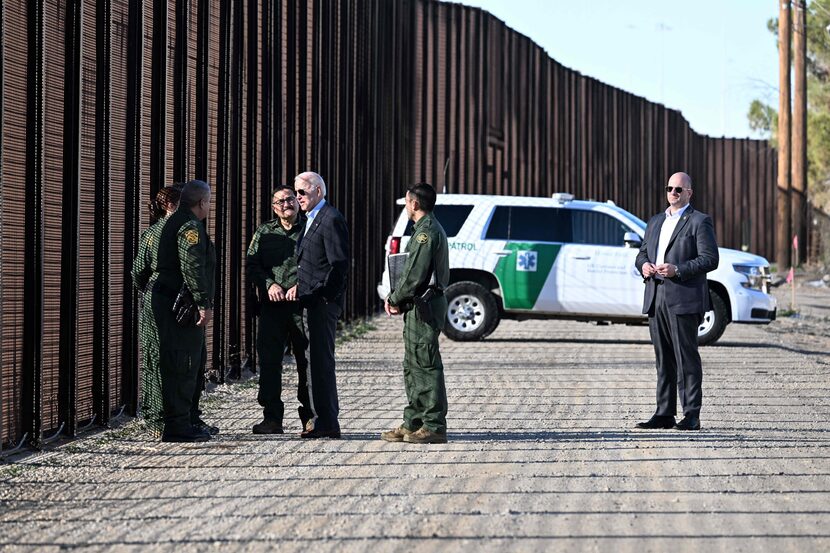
(681, 179)
(679, 191)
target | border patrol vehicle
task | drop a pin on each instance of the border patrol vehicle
(519, 258)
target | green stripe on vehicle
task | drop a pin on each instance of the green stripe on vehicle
(523, 273)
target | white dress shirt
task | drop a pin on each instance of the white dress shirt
(312, 214)
(665, 235)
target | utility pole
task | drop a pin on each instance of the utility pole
(782, 237)
(799, 151)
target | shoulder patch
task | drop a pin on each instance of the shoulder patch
(149, 241)
(192, 237)
(422, 238)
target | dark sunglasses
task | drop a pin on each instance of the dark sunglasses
(677, 189)
(301, 192)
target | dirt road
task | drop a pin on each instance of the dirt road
(542, 455)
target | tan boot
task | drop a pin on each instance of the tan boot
(424, 436)
(396, 434)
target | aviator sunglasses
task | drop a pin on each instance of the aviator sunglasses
(677, 189)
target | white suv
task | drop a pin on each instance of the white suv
(518, 258)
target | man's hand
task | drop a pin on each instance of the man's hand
(666, 270)
(649, 269)
(390, 309)
(205, 316)
(291, 295)
(276, 293)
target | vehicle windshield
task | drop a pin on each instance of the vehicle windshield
(451, 217)
(639, 223)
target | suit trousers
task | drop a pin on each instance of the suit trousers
(321, 318)
(678, 361)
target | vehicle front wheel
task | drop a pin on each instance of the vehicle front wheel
(714, 321)
(472, 311)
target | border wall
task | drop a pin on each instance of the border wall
(105, 101)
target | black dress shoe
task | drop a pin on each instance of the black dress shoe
(688, 423)
(209, 428)
(315, 434)
(657, 422)
(189, 435)
(268, 426)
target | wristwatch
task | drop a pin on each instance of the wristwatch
(677, 272)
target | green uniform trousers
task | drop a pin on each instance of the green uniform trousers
(423, 372)
(151, 396)
(181, 359)
(279, 324)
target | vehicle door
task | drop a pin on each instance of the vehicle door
(524, 242)
(597, 268)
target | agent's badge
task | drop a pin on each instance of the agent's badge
(422, 238)
(192, 237)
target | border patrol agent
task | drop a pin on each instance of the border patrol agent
(185, 255)
(419, 295)
(143, 273)
(272, 268)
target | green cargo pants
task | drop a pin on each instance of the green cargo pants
(423, 371)
(280, 323)
(181, 353)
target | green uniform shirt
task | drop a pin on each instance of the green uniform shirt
(145, 263)
(186, 254)
(428, 252)
(272, 255)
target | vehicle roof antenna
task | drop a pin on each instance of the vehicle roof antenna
(446, 167)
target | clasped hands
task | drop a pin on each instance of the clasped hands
(278, 293)
(665, 270)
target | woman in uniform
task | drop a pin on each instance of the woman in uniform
(165, 203)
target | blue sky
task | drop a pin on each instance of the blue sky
(707, 58)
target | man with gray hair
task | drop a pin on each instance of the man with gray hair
(322, 272)
(186, 263)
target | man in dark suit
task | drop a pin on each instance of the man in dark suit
(322, 271)
(678, 249)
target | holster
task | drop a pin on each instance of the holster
(423, 304)
(184, 308)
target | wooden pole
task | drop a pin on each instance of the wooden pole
(799, 135)
(782, 239)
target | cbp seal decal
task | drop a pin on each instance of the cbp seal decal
(422, 238)
(192, 237)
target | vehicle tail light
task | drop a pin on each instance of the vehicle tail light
(395, 245)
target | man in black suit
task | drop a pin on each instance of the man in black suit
(678, 250)
(322, 270)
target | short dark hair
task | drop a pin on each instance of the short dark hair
(425, 194)
(192, 192)
(282, 187)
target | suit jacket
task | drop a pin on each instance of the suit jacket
(692, 247)
(323, 258)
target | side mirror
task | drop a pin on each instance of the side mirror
(632, 240)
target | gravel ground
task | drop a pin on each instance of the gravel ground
(542, 455)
